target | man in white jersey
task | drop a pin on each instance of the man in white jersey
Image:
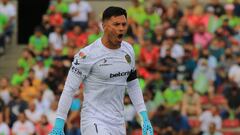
(106, 68)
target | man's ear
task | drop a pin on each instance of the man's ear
(104, 25)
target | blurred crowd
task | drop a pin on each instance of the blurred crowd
(187, 58)
(7, 23)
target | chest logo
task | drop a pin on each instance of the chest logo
(82, 55)
(128, 58)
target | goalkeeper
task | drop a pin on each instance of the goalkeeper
(106, 68)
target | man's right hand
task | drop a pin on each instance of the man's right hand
(58, 127)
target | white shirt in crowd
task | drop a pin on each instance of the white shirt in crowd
(5, 96)
(4, 129)
(51, 115)
(234, 73)
(207, 118)
(33, 116)
(83, 8)
(176, 51)
(26, 128)
(9, 9)
(129, 112)
(40, 72)
(57, 41)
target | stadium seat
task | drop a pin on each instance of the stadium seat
(218, 100)
(194, 123)
(231, 123)
(204, 99)
(229, 133)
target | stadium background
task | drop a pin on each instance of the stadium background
(187, 53)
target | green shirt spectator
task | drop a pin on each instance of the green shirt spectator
(137, 49)
(154, 19)
(19, 77)
(232, 22)
(48, 62)
(93, 37)
(38, 41)
(3, 22)
(137, 13)
(26, 64)
(173, 95)
(59, 6)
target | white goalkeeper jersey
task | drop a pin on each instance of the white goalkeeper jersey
(104, 73)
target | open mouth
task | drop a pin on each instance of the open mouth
(120, 36)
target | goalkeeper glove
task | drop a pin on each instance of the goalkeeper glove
(58, 127)
(146, 125)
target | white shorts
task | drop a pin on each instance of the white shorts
(95, 128)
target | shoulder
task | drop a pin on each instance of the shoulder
(127, 47)
(89, 52)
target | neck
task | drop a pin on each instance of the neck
(107, 43)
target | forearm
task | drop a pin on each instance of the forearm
(71, 86)
(136, 96)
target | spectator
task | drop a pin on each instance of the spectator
(38, 41)
(232, 108)
(159, 7)
(55, 17)
(211, 19)
(43, 127)
(52, 112)
(19, 77)
(217, 6)
(211, 60)
(234, 72)
(4, 129)
(3, 25)
(233, 20)
(191, 105)
(8, 9)
(201, 37)
(47, 57)
(153, 17)
(39, 69)
(5, 90)
(129, 112)
(236, 8)
(61, 7)
(26, 60)
(57, 40)
(167, 66)
(23, 126)
(212, 130)
(149, 55)
(173, 95)
(161, 122)
(176, 50)
(203, 77)
(15, 106)
(136, 12)
(77, 36)
(80, 12)
(32, 113)
(208, 117)
(94, 32)
(28, 91)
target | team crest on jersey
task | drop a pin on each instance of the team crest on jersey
(128, 58)
(82, 55)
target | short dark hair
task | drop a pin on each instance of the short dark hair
(113, 11)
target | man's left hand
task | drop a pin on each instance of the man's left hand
(146, 124)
